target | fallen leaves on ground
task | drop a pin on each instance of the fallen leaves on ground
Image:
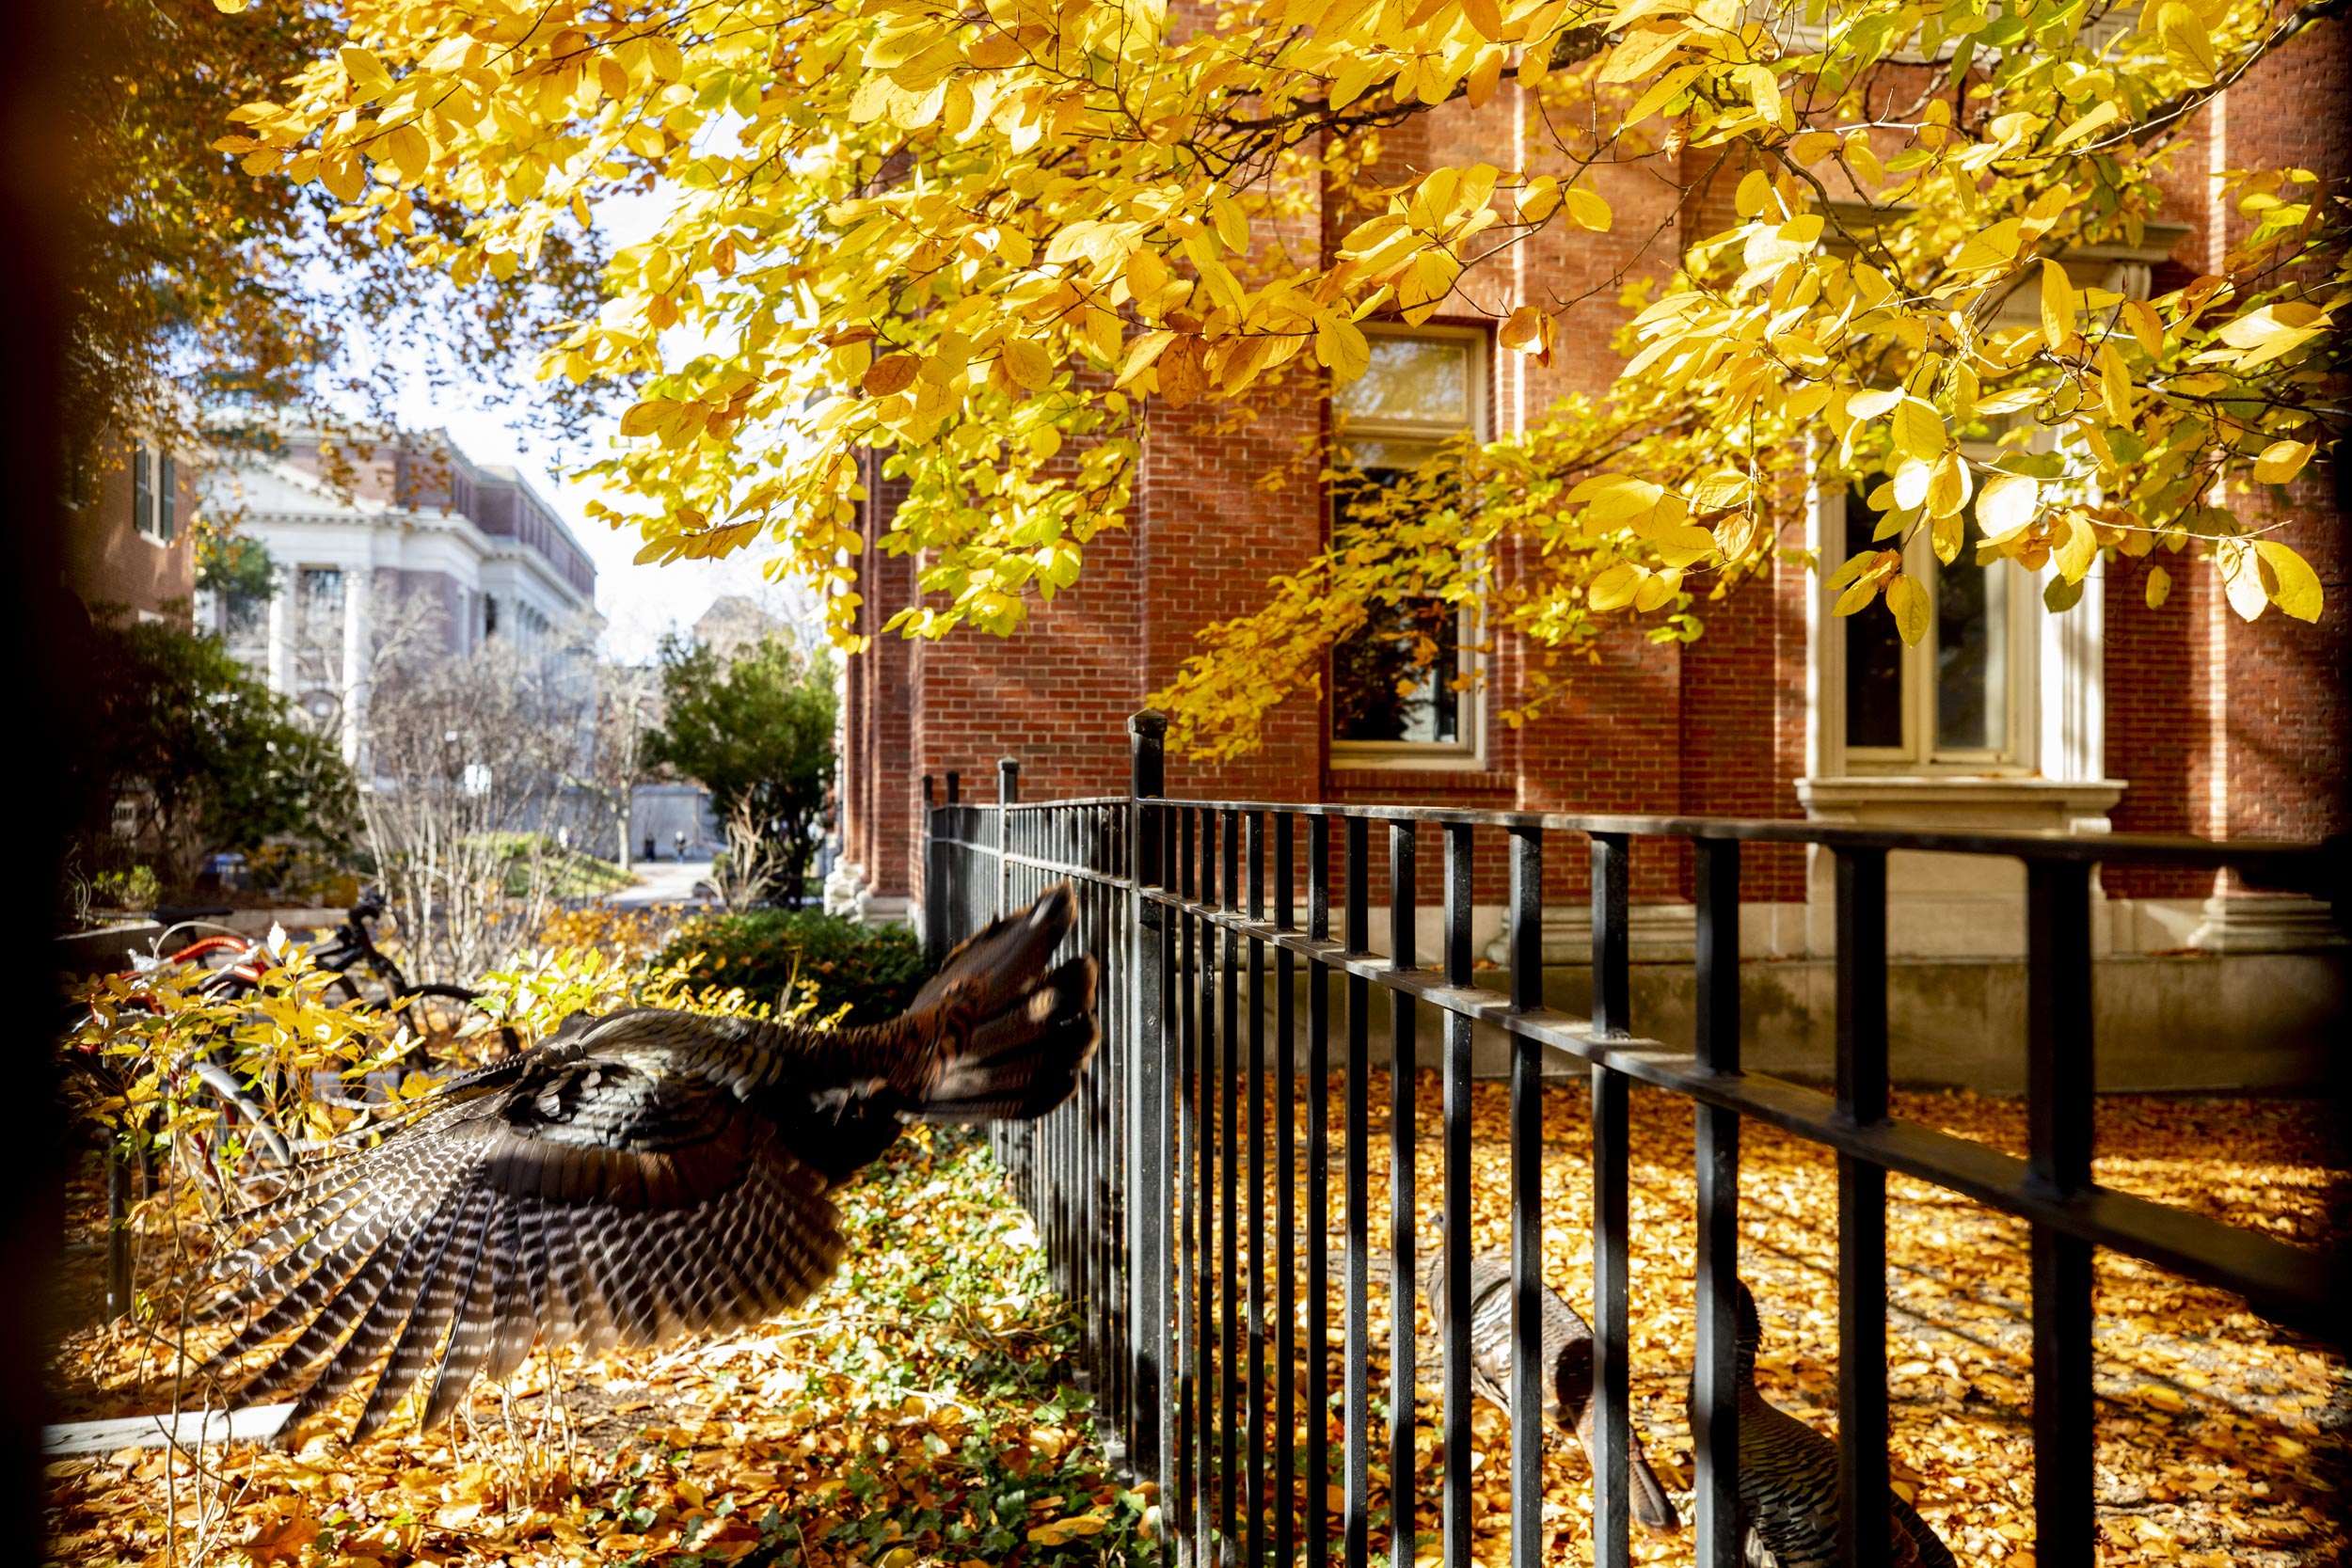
(918, 1412)
(2222, 1438)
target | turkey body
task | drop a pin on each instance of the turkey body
(1567, 1369)
(1788, 1481)
(639, 1176)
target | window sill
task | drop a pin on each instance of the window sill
(2020, 803)
(1379, 756)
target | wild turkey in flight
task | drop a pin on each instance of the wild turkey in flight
(1566, 1367)
(638, 1176)
(1788, 1481)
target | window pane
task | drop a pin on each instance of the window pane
(319, 626)
(322, 591)
(142, 497)
(1971, 674)
(1418, 380)
(1874, 655)
(1390, 460)
(1393, 680)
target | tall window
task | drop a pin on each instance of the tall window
(166, 498)
(142, 490)
(1948, 703)
(1400, 686)
(319, 628)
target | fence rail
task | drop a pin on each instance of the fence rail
(1151, 1191)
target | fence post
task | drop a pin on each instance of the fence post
(1862, 1517)
(2060, 1036)
(1612, 1383)
(957, 922)
(1715, 1427)
(1152, 1437)
(934, 879)
(1008, 791)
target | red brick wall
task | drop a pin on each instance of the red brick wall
(2217, 727)
(108, 561)
(2284, 730)
(2221, 727)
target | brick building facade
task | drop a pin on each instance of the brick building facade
(2176, 719)
(129, 544)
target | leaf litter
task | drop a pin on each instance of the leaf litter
(2222, 1438)
(922, 1410)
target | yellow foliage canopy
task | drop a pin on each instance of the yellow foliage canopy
(979, 237)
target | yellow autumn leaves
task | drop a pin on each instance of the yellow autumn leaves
(985, 242)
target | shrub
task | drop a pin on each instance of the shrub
(135, 889)
(872, 970)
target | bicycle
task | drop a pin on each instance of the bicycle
(438, 1010)
(238, 965)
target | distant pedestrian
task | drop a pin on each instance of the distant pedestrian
(649, 854)
(679, 838)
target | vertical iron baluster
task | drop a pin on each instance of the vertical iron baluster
(959, 873)
(1008, 791)
(1527, 1180)
(1715, 1429)
(1357, 1140)
(1172, 1105)
(1212, 1364)
(1189, 1505)
(1403, 1054)
(1862, 1515)
(1229, 1217)
(936, 853)
(1457, 1350)
(1318, 1198)
(1286, 1199)
(2058, 1084)
(1612, 1387)
(1254, 1477)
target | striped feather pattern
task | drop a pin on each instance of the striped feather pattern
(1567, 1363)
(1788, 1481)
(634, 1177)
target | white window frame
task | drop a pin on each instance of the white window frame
(1918, 756)
(1469, 753)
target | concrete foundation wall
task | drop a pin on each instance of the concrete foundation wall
(2173, 1022)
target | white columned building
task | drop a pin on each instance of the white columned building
(409, 545)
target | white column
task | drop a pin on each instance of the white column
(2072, 689)
(358, 653)
(281, 634)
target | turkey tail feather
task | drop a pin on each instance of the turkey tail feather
(1652, 1508)
(1024, 1059)
(1022, 1034)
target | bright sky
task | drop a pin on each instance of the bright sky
(638, 603)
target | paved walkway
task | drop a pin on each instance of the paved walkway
(661, 882)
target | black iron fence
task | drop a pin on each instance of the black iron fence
(1206, 1313)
